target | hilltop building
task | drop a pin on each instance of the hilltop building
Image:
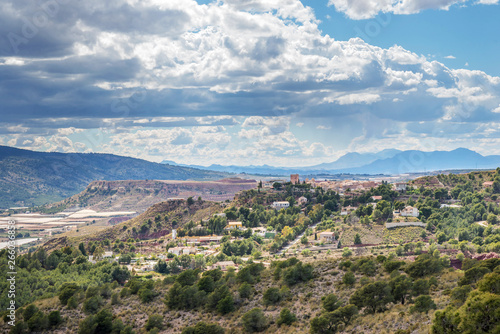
(400, 186)
(281, 205)
(327, 236)
(234, 226)
(409, 211)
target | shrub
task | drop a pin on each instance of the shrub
(286, 317)
(245, 290)
(154, 321)
(54, 318)
(373, 296)
(349, 278)
(330, 302)
(225, 305)
(67, 291)
(93, 304)
(423, 304)
(272, 296)
(346, 252)
(255, 320)
(204, 328)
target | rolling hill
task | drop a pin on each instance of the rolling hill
(139, 195)
(33, 178)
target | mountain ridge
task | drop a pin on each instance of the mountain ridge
(390, 161)
(34, 178)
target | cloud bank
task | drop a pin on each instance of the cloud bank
(179, 80)
(366, 9)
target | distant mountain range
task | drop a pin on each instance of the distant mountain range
(28, 177)
(384, 162)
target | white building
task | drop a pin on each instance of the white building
(327, 236)
(400, 186)
(174, 234)
(302, 200)
(281, 205)
(234, 226)
(224, 265)
(347, 210)
(182, 250)
(409, 211)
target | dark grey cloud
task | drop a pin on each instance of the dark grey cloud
(96, 64)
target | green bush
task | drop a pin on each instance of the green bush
(286, 317)
(254, 320)
(204, 328)
(423, 304)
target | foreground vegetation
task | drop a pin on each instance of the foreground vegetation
(443, 278)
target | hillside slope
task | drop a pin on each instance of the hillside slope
(155, 222)
(28, 177)
(138, 195)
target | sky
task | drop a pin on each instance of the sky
(249, 82)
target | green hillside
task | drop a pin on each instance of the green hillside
(30, 178)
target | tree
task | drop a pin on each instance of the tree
(330, 302)
(490, 283)
(286, 317)
(254, 320)
(204, 328)
(421, 287)
(187, 277)
(81, 247)
(424, 265)
(154, 321)
(346, 252)
(481, 314)
(226, 305)
(29, 312)
(297, 273)
(423, 304)
(272, 296)
(120, 274)
(54, 318)
(160, 267)
(349, 278)
(330, 322)
(38, 322)
(473, 275)
(357, 239)
(206, 284)
(67, 291)
(277, 186)
(146, 295)
(401, 288)
(102, 322)
(492, 219)
(98, 253)
(373, 296)
(446, 322)
(93, 304)
(441, 237)
(245, 290)
(459, 294)
(190, 201)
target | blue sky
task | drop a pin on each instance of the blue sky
(278, 82)
(468, 33)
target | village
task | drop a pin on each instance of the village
(207, 249)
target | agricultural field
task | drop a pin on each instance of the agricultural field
(371, 234)
(402, 235)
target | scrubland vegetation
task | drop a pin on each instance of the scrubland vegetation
(443, 278)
